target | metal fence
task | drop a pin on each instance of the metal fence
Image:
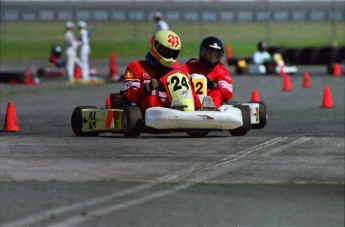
(174, 11)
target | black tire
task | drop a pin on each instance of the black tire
(308, 56)
(262, 116)
(276, 50)
(40, 72)
(132, 121)
(241, 131)
(77, 121)
(198, 133)
(327, 55)
(118, 100)
(330, 69)
(341, 55)
(239, 70)
(291, 56)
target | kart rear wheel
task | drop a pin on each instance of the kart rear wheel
(262, 116)
(241, 131)
(132, 121)
(77, 121)
(40, 72)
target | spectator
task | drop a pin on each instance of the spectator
(84, 50)
(161, 24)
(71, 46)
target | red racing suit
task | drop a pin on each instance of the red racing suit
(138, 74)
(219, 74)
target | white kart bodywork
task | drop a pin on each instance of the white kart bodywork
(261, 69)
(164, 118)
(226, 117)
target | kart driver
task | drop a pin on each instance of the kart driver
(219, 85)
(261, 56)
(55, 57)
(141, 80)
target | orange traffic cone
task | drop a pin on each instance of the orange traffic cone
(113, 74)
(11, 121)
(287, 83)
(306, 80)
(107, 103)
(336, 70)
(77, 72)
(255, 96)
(327, 98)
(282, 72)
(228, 51)
(28, 77)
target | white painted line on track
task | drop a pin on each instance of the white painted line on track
(42, 216)
(286, 146)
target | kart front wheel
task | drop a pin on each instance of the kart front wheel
(132, 121)
(262, 116)
(241, 131)
(77, 121)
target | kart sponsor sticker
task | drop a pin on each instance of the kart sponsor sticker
(132, 84)
(92, 120)
(109, 120)
(129, 75)
(185, 93)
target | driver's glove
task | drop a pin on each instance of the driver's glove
(152, 85)
(211, 84)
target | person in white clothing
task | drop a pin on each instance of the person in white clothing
(84, 50)
(161, 24)
(261, 55)
(71, 46)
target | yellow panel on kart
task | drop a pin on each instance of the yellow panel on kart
(180, 88)
(200, 84)
(101, 120)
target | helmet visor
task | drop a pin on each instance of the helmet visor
(166, 52)
(211, 54)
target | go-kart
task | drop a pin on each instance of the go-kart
(276, 66)
(51, 70)
(56, 65)
(127, 118)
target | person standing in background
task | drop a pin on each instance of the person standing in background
(84, 50)
(71, 46)
(161, 24)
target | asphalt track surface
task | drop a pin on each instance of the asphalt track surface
(290, 173)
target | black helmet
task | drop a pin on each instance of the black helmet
(262, 46)
(211, 51)
(56, 50)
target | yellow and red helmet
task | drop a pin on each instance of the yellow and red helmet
(165, 46)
